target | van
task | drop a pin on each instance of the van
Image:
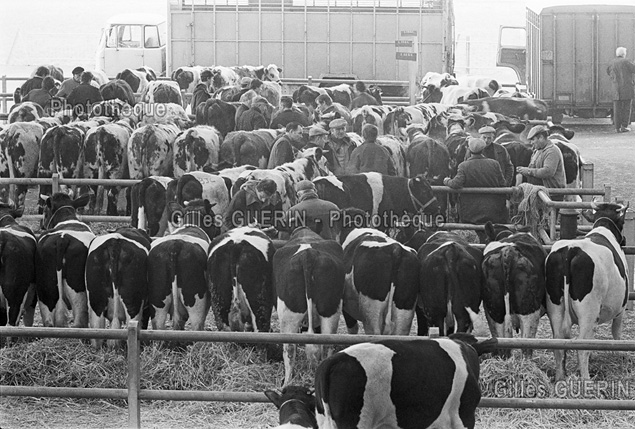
(132, 41)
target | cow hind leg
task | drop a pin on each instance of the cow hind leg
(29, 306)
(528, 328)
(351, 324)
(586, 333)
(616, 327)
(290, 323)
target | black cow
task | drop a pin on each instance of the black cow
(240, 280)
(514, 285)
(247, 148)
(450, 281)
(116, 279)
(17, 268)
(118, 89)
(422, 383)
(522, 108)
(148, 202)
(296, 406)
(309, 280)
(60, 261)
(137, 79)
(217, 113)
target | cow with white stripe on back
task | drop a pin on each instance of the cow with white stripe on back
(424, 383)
(309, 280)
(60, 261)
(116, 279)
(587, 282)
(177, 276)
(198, 185)
(17, 266)
(382, 283)
(240, 280)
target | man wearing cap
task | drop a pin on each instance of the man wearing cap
(248, 205)
(287, 146)
(371, 156)
(71, 83)
(84, 96)
(318, 136)
(479, 172)
(327, 107)
(338, 148)
(251, 119)
(311, 212)
(255, 87)
(42, 96)
(288, 114)
(36, 81)
(201, 92)
(622, 74)
(496, 152)
(546, 167)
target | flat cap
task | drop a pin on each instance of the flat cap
(476, 145)
(304, 185)
(316, 130)
(486, 129)
(537, 130)
(337, 123)
(78, 70)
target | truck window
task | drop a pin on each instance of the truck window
(124, 36)
(151, 36)
(163, 33)
(512, 36)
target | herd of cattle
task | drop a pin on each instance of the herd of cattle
(159, 269)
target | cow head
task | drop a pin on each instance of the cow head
(272, 73)
(421, 195)
(376, 92)
(60, 207)
(196, 213)
(315, 154)
(496, 231)
(611, 216)
(295, 403)
(183, 77)
(8, 208)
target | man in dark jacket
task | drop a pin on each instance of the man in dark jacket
(201, 91)
(42, 96)
(496, 152)
(288, 114)
(622, 73)
(251, 119)
(362, 97)
(287, 146)
(479, 172)
(35, 82)
(248, 205)
(84, 96)
(371, 156)
(312, 212)
(338, 148)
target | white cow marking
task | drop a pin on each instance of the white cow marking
(377, 188)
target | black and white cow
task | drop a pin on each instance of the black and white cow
(264, 73)
(514, 286)
(296, 407)
(161, 113)
(150, 151)
(188, 77)
(425, 113)
(162, 92)
(384, 384)
(382, 283)
(177, 276)
(19, 154)
(60, 261)
(199, 185)
(587, 282)
(523, 108)
(27, 111)
(148, 203)
(240, 280)
(308, 274)
(374, 115)
(105, 157)
(224, 76)
(62, 152)
(382, 196)
(137, 79)
(116, 279)
(450, 280)
(17, 268)
(247, 148)
(195, 149)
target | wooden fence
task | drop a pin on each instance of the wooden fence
(133, 393)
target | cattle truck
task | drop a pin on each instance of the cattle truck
(563, 52)
(354, 39)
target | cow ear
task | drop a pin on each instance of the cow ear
(279, 69)
(568, 134)
(489, 231)
(81, 201)
(274, 397)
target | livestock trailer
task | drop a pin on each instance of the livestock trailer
(318, 38)
(567, 51)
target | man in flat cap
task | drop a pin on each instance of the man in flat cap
(479, 172)
(622, 74)
(546, 167)
(496, 152)
(317, 136)
(338, 148)
(311, 212)
(371, 157)
(71, 83)
(288, 114)
(250, 205)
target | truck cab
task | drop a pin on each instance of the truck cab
(132, 41)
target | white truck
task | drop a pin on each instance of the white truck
(335, 38)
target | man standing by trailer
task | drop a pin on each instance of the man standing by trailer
(622, 73)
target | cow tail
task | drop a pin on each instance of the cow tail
(238, 143)
(175, 249)
(396, 257)
(307, 257)
(12, 189)
(57, 136)
(568, 256)
(451, 268)
(61, 245)
(101, 175)
(507, 260)
(116, 281)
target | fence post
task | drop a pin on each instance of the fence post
(134, 375)
(629, 235)
(4, 90)
(56, 183)
(607, 194)
(310, 81)
(553, 219)
(587, 183)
